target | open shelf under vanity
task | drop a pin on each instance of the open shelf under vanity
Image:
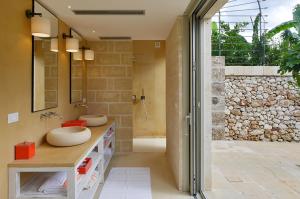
(26, 177)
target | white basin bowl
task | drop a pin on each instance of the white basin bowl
(68, 136)
(94, 120)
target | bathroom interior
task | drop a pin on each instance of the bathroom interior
(88, 88)
(149, 96)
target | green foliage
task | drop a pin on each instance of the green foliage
(229, 42)
(290, 62)
(272, 54)
(258, 43)
(233, 45)
(296, 17)
(295, 23)
(290, 46)
(284, 26)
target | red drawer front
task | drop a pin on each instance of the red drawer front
(24, 150)
(69, 123)
(85, 166)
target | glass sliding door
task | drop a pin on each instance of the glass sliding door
(193, 106)
(200, 95)
(196, 138)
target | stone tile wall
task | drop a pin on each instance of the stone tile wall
(51, 78)
(218, 97)
(77, 75)
(109, 87)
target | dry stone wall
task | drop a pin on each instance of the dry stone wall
(261, 108)
(259, 105)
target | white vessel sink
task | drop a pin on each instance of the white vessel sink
(68, 136)
(94, 120)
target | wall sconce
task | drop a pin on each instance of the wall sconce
(89, 54)
(40, 26)
(54, 45)
(77, 56)
(72, 44)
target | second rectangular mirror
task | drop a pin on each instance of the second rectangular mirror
(76, 70)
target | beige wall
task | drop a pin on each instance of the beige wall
(109, 87)
(15, 85)
(77, 80)
(149, 73)
(177, 91)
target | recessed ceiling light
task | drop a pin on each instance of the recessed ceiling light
(109, 12)
(69, 6)
(115, 38)
(93, 31)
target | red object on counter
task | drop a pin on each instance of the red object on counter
(24, 150)
(85, 166)
(69, 123)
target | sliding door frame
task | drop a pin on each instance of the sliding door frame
(200, 96)
(197, 109)
(193, 142)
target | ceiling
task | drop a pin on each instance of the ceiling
(154, 25)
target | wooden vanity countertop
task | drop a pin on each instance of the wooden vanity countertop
(49, 156)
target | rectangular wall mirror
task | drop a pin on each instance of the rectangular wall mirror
(45, 65)
(76, 70)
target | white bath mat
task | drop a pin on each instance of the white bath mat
(127, 183)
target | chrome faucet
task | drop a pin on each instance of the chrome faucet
(81, 105)
(55, 115)
(49, 115)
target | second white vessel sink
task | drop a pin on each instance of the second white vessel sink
(68, 136)
(94, 120)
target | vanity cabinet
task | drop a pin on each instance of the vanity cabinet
(27, 176)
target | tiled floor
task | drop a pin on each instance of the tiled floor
(162, 180)
(255, 170)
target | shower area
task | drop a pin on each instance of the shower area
(149, 96)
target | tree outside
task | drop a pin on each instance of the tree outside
(265, 49)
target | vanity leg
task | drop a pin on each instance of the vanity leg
(101, 169)
(14, 183)
(101, 162)
(72, 192)
(113, 143)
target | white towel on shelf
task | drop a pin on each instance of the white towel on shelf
(54, 184)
